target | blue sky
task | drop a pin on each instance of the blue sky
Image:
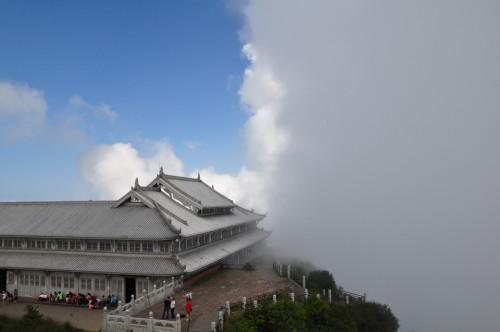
(169, 70)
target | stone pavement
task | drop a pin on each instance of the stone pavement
(211, 293)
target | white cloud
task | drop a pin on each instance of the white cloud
(22, 111)
(112, 169)
(102, 111)
(192, 144)
(247, 189)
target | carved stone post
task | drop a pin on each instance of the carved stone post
(255, 304)
(221, 320)
(244, 303)
(304, 282)
(132, 301)
(228, 307)
(104, 318)
(274, 298)
(292, 295)
(150, 322)
(178, 322)
(306, 293)
(213, 327)
(347, 299)
(330, 295)
(127, 319)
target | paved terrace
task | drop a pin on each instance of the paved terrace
(212, 292)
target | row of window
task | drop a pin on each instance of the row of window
(120, 246)
(60, 282)
(124, 246)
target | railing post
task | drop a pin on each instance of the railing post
(292, 295)
(228, 307)
(221, 320)
(274, 298)
(178, 322)
(304, 282)
(119, 305)
(154, 293)
(150, 322)
(213, 327)
(244, 303)
(330, 295)
(132, 301)
(347, 299)
(126, 320)
(318, 296)
(255, 304)
(104, 318)
(306, 293)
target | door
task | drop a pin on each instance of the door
(129, 288)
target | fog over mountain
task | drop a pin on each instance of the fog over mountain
(375, 128)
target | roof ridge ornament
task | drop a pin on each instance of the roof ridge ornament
(136, 183)
(199, 176)
(161, 170)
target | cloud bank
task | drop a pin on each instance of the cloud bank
(386, 119)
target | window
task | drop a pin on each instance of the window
(121, 246)
(72, 245)
(23, 279)
(104, 246)
(163, 246)
(66, 282)
(100, 284)
(135, 246)
(10, 278)
(92, 245)
(41, 244)
(8, 243)
(142, 285)
(116, 286)
(42, 281)
(55, 281)
(147, 247)
(86, 283)
(62, 244)
(34, 280)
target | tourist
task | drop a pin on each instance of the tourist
(188, 308)
(15, 296)
(166, 307)
(172, 307)
(4, 298)
(189, 296)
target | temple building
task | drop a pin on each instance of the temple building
(174, 227)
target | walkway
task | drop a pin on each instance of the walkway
(211, 293)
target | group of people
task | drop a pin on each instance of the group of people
(9, 297)
(80, 299)
(169, 307)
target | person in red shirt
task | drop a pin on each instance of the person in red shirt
(188, 308)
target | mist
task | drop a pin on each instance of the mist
(381, 149)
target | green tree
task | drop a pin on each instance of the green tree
(374, 317)
(321, 279)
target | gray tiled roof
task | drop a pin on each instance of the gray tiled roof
(198, 258)
(200, 191)
(146, 265)
(82, 220)
(197, 224)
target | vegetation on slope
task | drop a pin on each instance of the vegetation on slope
(33, 321)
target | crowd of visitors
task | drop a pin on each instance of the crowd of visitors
(9, 297)
(79, 299)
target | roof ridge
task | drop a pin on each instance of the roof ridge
(55, 202)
